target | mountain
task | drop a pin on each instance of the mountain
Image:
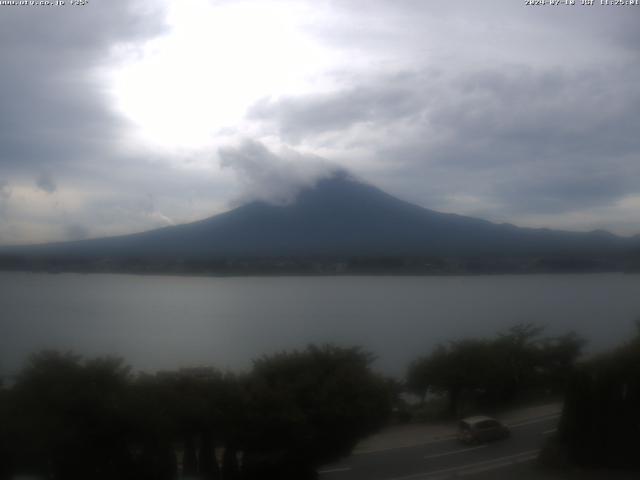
(338, 217)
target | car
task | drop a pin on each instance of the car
(480, 428)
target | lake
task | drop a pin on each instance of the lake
(162, 322)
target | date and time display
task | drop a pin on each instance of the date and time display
(44, 3)
(586, 3)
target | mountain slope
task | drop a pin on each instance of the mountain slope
(337, 217)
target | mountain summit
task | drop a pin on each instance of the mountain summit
(338, 217)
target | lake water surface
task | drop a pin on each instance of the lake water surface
(158, 322)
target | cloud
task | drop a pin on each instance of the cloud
(297, 118)
(147, 206)
(75, 231)
(5, 194)
(112, 199)
(56, 111)
(132, 212)
(274, 178)
(46, 183)
(516, 138)
(451, 106)
(54, 107)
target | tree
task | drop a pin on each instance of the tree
(518, 360)
(497, 371)
(458, 369)
(72, 418)
(69, 416)
(6, 457)
(419, 377)
(310, 407)
(600, 423)
(558, 356)
(194, 408)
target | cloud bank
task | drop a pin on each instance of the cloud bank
(491, 109)
(270, 177)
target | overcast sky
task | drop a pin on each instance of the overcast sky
(121, 116)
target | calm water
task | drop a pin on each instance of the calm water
(165, 322)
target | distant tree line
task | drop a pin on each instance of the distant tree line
(67, 418)
(322, 265)
(518, 364)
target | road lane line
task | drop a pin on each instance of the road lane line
(485, 465)
(334, 470)
(548, 432)
(453, 452)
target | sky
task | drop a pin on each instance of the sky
(119, 116)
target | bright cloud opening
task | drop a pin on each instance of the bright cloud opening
(215, 62)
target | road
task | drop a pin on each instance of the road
(446, 458)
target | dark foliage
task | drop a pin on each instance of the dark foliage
(311, 407)
(70, 418)
(496, 372)
(600, 424)
(67, 417)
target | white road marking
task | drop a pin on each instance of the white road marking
(334, 470)
(548, 432)
(476, 467)
(453, 452)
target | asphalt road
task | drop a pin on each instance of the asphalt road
(447, 458)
